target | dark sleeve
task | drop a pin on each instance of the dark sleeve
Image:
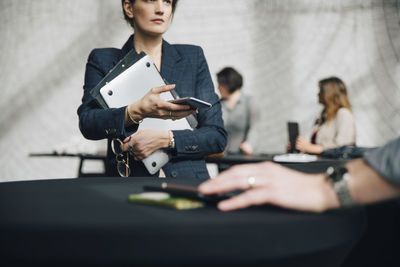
(94, 122)
(210, 136)
(386, 161)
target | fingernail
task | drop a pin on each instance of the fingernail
(127, 139)
(222, 205)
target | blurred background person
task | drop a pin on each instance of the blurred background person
(236, 111)
(335, 127)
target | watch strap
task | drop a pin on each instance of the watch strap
(171, 145)
(339, 176)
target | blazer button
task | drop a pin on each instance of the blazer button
(174, 174)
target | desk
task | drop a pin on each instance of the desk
(311, 167)
(223, 162)
(69, 221)
(82, 157)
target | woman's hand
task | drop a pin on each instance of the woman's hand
(246, 148)
(305, 146)
(270, 183)
(144, 142)
(288, 146)
(152, 106)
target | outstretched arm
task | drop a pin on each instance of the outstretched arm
(270, 183)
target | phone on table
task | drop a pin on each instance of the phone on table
(293, 131)
(192, 102)
(185, 191)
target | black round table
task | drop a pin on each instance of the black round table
(320, 165)
(90, 221)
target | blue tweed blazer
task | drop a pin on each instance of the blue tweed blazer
(183, 65)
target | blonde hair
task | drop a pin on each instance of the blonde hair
(334, 95)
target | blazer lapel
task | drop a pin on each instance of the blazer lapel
(128, 46)
(172, 65)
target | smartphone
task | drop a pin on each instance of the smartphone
(293, 131)
(185, 191)
(192, 102)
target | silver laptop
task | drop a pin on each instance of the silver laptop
(130, 86)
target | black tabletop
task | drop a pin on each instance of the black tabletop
(320, 165)
(89, 220)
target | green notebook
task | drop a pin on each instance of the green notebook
(165, 200)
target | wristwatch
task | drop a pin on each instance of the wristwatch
(339, 175)
(171, 145)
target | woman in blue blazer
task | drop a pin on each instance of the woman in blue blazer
(185, 68)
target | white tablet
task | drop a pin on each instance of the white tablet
(130, 86)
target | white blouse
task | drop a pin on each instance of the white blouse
(339, 131)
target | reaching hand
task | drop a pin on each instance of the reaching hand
(270, 183)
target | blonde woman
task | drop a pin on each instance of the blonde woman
(335, 126)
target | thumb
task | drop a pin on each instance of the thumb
(162, 89)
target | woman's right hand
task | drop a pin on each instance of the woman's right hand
(288, 147)
(152, 106)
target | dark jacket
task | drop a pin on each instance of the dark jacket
(183, 65)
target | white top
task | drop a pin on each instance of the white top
(339, 131)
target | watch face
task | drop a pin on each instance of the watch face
(336, 173)
(341, 170)
(172, 143)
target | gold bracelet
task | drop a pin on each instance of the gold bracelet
(130, 118)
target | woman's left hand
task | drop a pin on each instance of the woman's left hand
(303, 144)
(146, 141)
(246, 148)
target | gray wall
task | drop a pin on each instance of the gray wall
(282, 48)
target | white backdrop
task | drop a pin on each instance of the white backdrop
(282, 47)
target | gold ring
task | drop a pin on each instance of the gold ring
(170, 114)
